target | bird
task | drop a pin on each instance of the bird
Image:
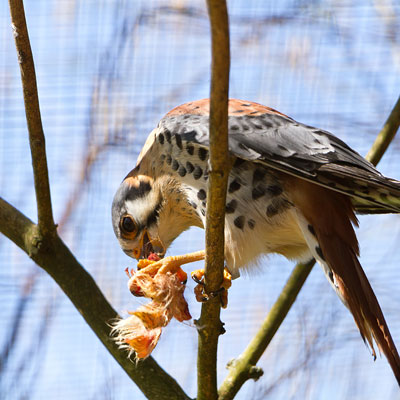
(292, 189)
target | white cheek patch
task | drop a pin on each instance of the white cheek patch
(141, 207)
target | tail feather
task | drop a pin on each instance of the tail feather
(331, 215)
(359, 297)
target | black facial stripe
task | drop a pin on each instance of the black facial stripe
(152, 218)
(139, 230)
(136, 192)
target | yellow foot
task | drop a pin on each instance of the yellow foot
(202, 296)
(150, 270)
(169, 264)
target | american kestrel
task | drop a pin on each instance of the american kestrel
(292, 189)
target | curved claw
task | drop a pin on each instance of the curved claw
(222, 292)
(200, 295)
(198, 276)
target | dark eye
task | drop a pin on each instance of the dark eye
(128, 224)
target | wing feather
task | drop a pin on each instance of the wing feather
(263, 135)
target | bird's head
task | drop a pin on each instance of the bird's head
(145, 217)
(135, 217)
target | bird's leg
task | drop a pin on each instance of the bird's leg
(202, 296)
(173, 263)
(170, 264)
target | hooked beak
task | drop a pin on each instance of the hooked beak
(149, 246)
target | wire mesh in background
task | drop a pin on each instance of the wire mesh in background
(107, 72)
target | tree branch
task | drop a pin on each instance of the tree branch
(209, 325)
(56, 259)
(244, 367)
(44, 246)
(385, 136)
(32, 111)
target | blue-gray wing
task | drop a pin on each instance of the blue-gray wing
(283, 144)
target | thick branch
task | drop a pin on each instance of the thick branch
(32, 111)
(57, 260)
(209, 325)
(385, 136)
(244, 367)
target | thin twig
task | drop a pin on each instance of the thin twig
(244, 367)
(32, 111)
(209, 324)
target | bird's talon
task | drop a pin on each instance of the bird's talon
(202, 298)
(198, 276)
(198, 281)
(200, 295)
(222, 292)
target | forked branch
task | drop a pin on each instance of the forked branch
(57, 260)
(33, 118)
(44, 246)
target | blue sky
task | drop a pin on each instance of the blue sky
(107, 72)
